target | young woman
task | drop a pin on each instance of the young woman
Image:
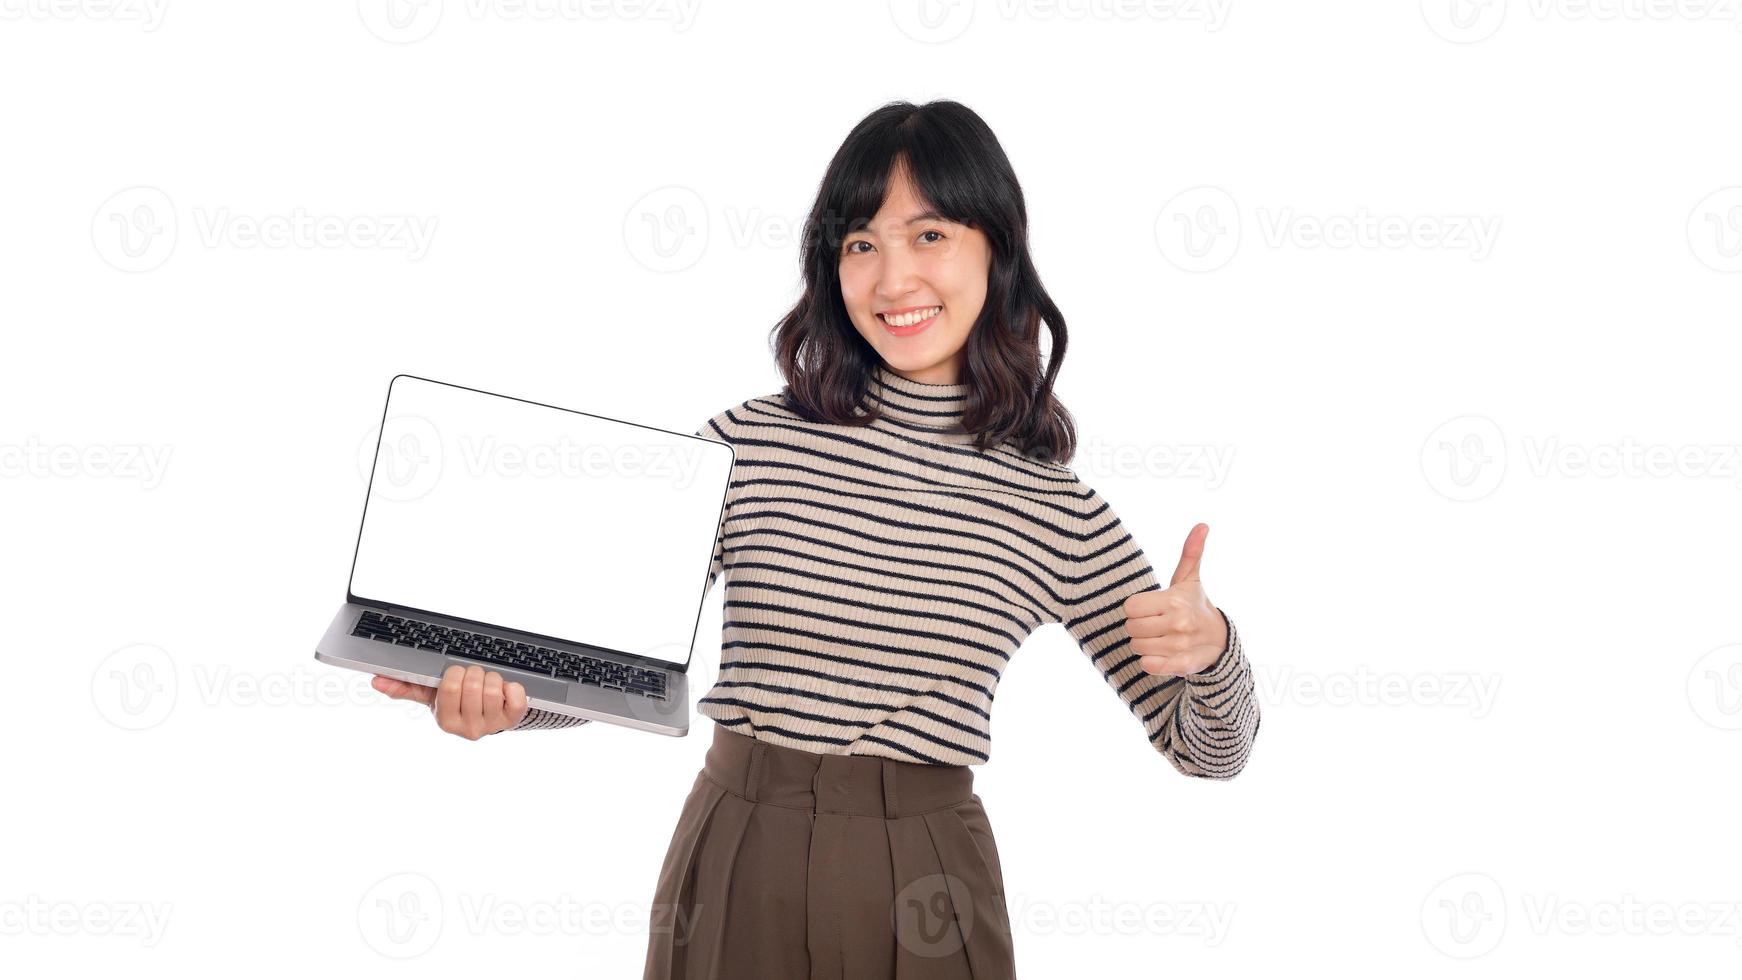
(899, 521)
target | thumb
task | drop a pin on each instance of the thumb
(402, 691)
(1190, 555)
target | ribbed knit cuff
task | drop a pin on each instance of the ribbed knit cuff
(1219, 670)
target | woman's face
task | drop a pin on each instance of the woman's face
(913, 284)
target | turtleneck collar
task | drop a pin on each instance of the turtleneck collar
(914, 403)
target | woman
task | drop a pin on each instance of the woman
(897, 524)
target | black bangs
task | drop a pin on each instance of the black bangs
(952, 158)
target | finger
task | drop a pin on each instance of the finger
(515, 693)
(1163, 623)
(1190, 555)
(493, 717)
(1161, 646)
(400, 690)
(1169, 666)
(472, 698)
(448, 698)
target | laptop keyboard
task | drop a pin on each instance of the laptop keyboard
(559, 664)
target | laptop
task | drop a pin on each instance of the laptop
(565, 550)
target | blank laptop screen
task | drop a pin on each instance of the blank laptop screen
(535, 518)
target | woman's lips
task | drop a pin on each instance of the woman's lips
(912, 329)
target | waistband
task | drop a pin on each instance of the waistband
(856, 785)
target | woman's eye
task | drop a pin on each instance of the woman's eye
(932, 231)
(850, 248)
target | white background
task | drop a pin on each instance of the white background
(1497, 643)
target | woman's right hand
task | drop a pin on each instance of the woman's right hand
(470, 701)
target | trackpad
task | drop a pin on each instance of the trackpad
(546, 690)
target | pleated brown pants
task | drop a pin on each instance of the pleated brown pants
(795, 865)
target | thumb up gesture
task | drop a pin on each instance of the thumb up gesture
(1177, 630)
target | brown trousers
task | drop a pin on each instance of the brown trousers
(795, 865)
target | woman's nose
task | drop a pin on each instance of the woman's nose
(897, 276)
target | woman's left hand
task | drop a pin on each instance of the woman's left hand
(1177, 630)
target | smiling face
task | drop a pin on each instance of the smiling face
(913, 284)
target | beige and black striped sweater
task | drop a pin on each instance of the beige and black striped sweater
(878, 579)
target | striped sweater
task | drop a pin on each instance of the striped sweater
(878, 580)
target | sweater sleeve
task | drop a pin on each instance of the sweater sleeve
(1203, 723)
(710, 430)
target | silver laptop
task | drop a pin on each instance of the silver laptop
(567, 551)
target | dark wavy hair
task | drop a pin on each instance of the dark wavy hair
(957, 168)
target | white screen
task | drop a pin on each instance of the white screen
(539, 519)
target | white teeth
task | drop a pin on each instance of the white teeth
(909, 319)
